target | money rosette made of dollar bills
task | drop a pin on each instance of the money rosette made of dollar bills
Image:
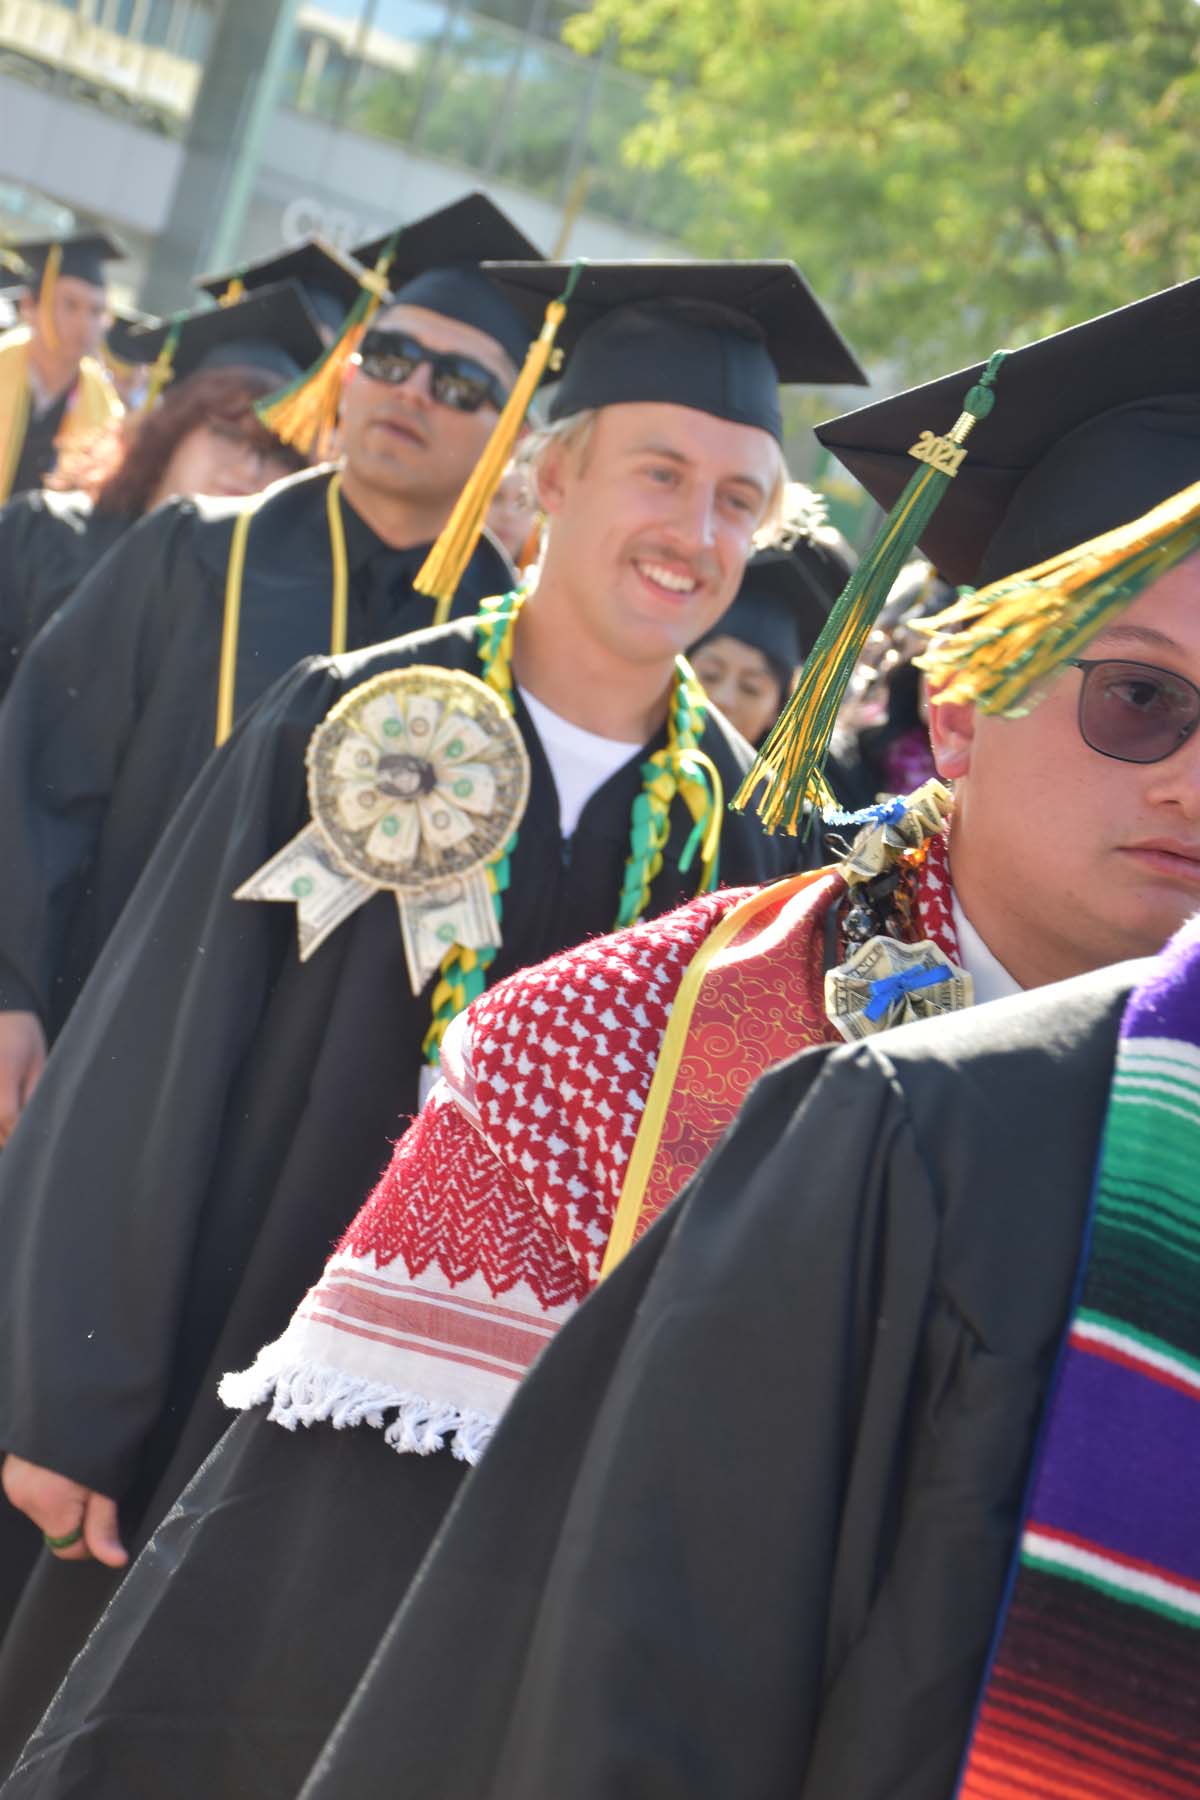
(417, 780)
(886, 982)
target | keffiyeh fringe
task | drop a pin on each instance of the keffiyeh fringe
(316, 1394)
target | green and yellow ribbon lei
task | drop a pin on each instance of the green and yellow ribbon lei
(679, 768)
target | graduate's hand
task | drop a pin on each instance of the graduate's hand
(22, 1059)
(60, 1507)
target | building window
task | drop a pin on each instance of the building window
(398, 49)
(543, 135)
(472, 83)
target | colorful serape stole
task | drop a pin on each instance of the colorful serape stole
(1094, 1687)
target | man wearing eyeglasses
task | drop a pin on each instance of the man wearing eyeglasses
(117, 706)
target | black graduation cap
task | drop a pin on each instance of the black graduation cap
(785, 597)
(717, 336)
(329, 278)
(127, 320)
(1091, 428)
(272, 329)
(434, 262)
(83, 255)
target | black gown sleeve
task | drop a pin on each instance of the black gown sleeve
(64, 727)
(17, 548)
(101, 1187)
(621, 1602)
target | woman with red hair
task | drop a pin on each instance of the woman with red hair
(201, 437)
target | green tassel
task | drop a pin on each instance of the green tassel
(792, 761)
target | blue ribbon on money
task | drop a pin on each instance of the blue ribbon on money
(888, 988)
(884, 812)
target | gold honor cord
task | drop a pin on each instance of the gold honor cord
(18, 425)
(231, 625)
(341, 571)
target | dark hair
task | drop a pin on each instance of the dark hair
(120, 466)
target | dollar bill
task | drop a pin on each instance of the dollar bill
(433, 923)
(879, 845)
(305, 874)
(857, 1001)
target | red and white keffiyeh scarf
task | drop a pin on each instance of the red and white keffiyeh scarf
(490, 1224)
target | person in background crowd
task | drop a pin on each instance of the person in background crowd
(513, 516)
(124, 363)
(201, 437)
(882, 742)
(52, 388)
(329, 279)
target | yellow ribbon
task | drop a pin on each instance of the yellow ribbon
(235, 573)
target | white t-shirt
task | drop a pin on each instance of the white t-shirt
(992, 980)
(580, 761)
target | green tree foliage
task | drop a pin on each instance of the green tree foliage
(950, 174)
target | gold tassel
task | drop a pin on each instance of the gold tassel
(443, 568)
(16, 265)
(1022, 629)
(162, 371)
(45, 305)
(235, 290)
(304, 414)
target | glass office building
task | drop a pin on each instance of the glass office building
(208, 131)
(378, 108)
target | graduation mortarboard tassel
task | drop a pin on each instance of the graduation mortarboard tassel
(1004, 641)
(304, 414)
(271, 329)
(1099, 422)
(442, 570)
(792, 761)
(328, 279)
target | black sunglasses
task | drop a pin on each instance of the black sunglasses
(456, 381)
(1133, 711)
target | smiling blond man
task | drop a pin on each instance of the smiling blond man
(232, 1102)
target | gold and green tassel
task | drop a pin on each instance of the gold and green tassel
(304, 413)
(997, 647)
(442, 570)
(790, 766)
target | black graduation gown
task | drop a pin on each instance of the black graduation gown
(215, 1113)
(39, 447)
(113, 710)
(48, 543)
(743, 1532)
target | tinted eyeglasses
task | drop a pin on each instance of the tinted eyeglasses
(456, 381)
(1135, 712)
